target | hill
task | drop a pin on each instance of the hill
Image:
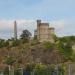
(21, 53)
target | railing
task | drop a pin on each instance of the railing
(60, 69)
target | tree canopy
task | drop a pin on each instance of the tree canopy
(25, 36)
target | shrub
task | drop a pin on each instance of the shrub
(15, 42)
(39, 69)
(48, 45)
(66, 50)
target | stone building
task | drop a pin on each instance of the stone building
(44, 32)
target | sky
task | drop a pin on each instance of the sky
(59, 13)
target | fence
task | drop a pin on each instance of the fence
(60, 69)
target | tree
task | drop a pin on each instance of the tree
(66, 50)
(55, 38)
(2, 43)
(25, 36)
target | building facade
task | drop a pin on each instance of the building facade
(44, 32)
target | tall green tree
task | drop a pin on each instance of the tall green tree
(25, 36)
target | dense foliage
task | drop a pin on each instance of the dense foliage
(49, 46)
(9, 60)
(23, 46)
(25, 36)
(65, 47)
(25, 50)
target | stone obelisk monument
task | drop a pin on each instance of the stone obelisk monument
(15, 30)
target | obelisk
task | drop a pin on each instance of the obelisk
(15, 30)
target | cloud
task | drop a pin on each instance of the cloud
(65, 27)
(59, 24)
(7, 27)
(62, 27)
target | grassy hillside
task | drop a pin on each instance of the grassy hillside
(18, 52)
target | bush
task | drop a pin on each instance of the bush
(30, 67)
(2, 43)
(9, 60)
(35, 42)
(60, 70)
(66, 50)
(15, 42)
(48, 45)
(39, 69)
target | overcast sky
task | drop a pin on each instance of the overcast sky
(59, 13)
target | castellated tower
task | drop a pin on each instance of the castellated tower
(44, 33)
(15, 30)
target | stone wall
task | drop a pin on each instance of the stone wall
(44, 33)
